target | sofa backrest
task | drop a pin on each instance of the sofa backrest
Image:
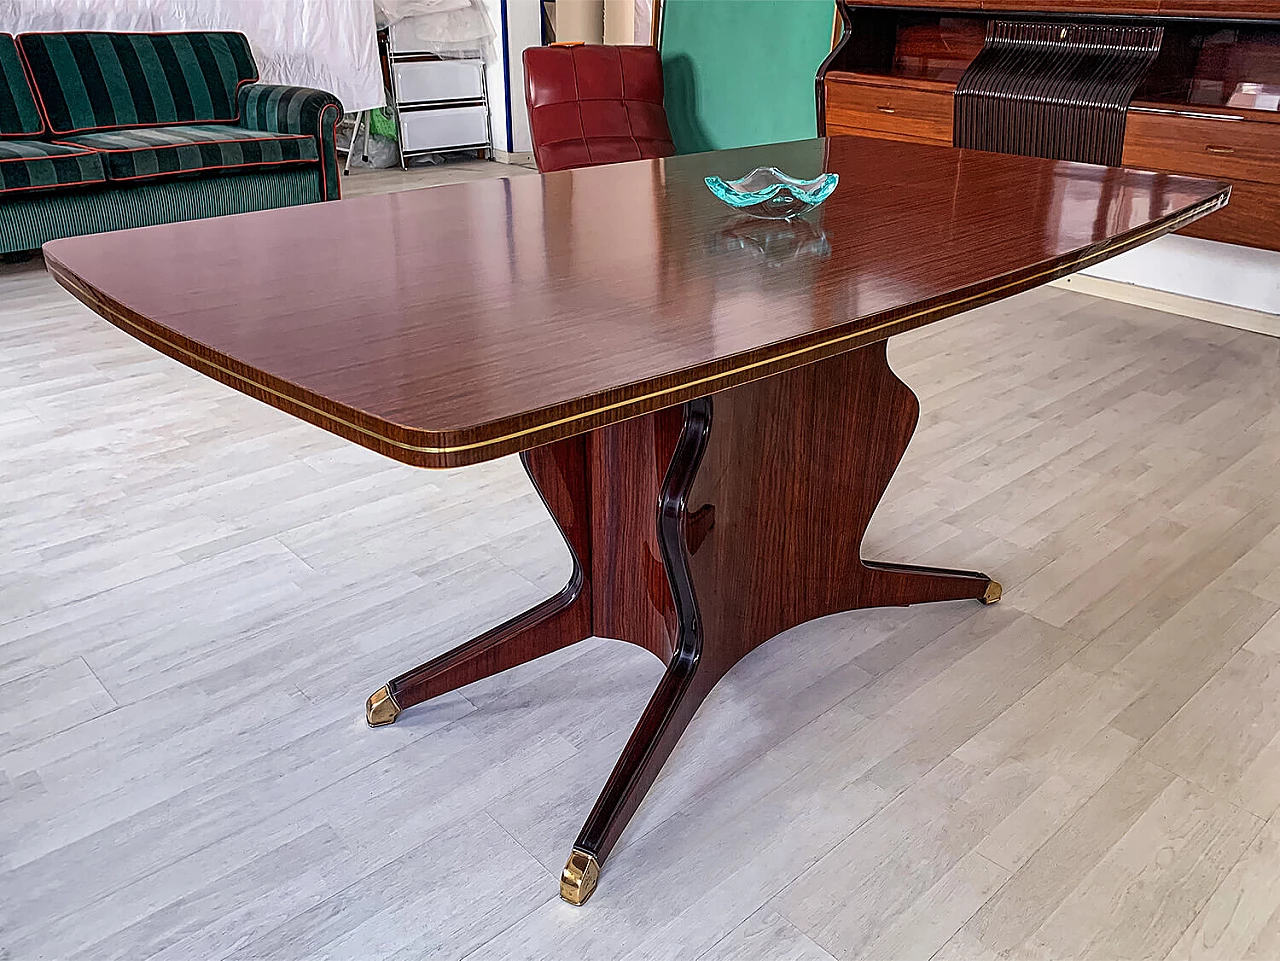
(19, 115)
(89, 80)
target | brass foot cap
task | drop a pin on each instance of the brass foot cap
(381, 709)
(992, 593)
(579, 878)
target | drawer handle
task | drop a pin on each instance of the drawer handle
(1215, 148)
(886, 109)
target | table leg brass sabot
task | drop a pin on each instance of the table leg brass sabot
(381, 708)
(579, 878)
(994, 590)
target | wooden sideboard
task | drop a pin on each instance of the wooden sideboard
(1208, 105)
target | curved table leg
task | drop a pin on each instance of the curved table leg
(559, 472)
(899, 585)
(682, 688)
(761, 517)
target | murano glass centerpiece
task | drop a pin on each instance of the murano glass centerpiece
(769, 193)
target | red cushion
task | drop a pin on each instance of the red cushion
(595, 104)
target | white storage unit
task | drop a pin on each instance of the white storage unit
(444, 128)
(434, 81)
(441, 105)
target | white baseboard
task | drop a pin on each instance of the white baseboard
(516, 157)
(1229, 316)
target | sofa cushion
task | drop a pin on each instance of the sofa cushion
(90, 81)
(19, 116)
(166, 151)
(34, 165)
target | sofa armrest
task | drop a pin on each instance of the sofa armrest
(279, 109)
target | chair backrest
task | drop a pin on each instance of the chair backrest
(89, 80)
(19, 115)
(595, 104)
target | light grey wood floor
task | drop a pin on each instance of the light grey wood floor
(197, 593)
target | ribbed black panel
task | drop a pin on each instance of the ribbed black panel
(1058, 90)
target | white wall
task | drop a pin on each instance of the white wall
(1225, 273)
(522, 28)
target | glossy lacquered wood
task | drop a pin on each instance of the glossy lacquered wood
(1117, 7)
(1051, 89)
(847, 421)
(1260, 9)
(1250, 219)
(560, 473)
(707, 529)
(1224, 146)
(1217, 58)
(897, 111)
(928, 4)
(448, 326)
(1166, 8)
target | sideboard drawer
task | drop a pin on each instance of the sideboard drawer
(909, 113)
(836, 130)
(1230, 149)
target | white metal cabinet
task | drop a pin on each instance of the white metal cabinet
(440, 104)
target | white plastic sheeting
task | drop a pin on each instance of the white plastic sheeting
(330, 44)
(442, 27)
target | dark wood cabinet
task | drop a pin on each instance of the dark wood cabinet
(1209, 103)
(1226, 9)
(1221, 146)
(920, 112)
(1119, 7)
(1264, 9)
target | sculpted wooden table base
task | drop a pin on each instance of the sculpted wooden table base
(699, 532)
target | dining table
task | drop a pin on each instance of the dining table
(701, 398)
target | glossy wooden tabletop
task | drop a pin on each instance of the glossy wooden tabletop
(454, 324)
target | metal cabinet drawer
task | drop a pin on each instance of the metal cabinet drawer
(444, 128)
(427, 81)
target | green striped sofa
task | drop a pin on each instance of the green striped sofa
(101, 131)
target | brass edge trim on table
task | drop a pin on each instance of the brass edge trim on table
(73, 283)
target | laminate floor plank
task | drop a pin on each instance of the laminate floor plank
(765, 936)
(1242, 918)
(1226, 738)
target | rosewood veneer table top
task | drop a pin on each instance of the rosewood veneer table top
(455, 324)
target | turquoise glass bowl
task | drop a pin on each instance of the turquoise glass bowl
(768, 193)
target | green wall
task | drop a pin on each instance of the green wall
(741, 72)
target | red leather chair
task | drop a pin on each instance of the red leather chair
(595, 104)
